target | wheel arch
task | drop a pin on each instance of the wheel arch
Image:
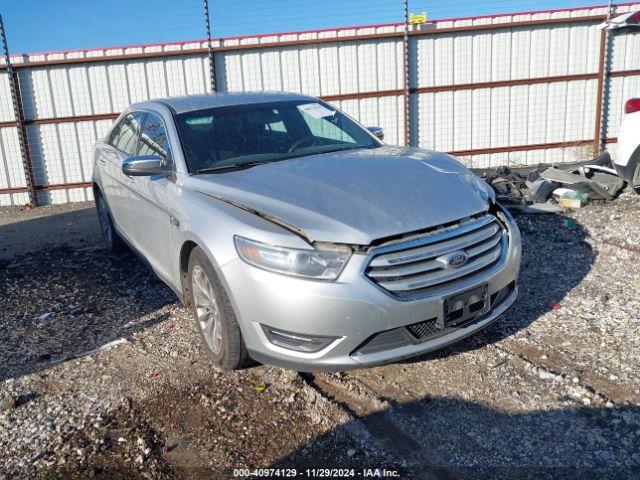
(185, 253)
(188, 245)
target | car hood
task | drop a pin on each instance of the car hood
(353, 197)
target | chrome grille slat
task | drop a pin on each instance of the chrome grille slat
(431, 279)
(407, 269)
(485, 231)
(414, 268)
(419, 264)
(483, 247)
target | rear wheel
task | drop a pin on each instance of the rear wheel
(214, 315)
(114, 242)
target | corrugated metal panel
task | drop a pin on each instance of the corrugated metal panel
(321, 70)
(6, 108)
(11, 171)
(500, 116)
(516, 115)
(481, 119)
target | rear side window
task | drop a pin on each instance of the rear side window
(153, 139)
(125, 135)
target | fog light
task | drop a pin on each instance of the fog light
(296, 341)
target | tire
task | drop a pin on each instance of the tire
(635, 181)
(113, 241)
(214, 315)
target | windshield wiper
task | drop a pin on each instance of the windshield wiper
(290, 156)
(340, 149)
(228, 168)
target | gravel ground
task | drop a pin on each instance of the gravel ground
(102, 374)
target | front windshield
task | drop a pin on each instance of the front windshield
(242, 135)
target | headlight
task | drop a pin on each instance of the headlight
(320, 264)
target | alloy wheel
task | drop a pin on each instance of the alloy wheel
(206, 307)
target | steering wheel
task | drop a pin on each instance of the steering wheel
(277, 144)
(266, 143)
(300, 142)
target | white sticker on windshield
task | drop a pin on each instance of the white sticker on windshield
(316, 110)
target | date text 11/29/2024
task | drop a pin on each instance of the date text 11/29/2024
(316, 473)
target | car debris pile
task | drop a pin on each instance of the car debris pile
(552, 188)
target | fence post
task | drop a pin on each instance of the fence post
(14, 86)
(212, 63)
(602, 102)
(407, 92)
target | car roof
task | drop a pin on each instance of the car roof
(190, 103)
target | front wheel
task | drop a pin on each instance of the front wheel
(111, 238)
(214, 315)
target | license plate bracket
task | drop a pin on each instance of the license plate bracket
(462, 307)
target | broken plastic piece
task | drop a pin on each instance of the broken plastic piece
(598, 185)
(540, 190)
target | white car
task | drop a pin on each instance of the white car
(627, 161)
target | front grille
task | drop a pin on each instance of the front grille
(425, 329)
(422, 264)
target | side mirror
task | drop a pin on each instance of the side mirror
(377, 132)
(146, 166)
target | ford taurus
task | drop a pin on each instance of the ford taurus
(297, 237)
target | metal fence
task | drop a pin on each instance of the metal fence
(500, 89)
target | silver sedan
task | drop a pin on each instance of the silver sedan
(297, 237)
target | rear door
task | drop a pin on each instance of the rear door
(149, 200)
(123, 143)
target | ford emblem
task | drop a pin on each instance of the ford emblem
(456, 259)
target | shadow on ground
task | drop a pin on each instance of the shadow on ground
(450, 438)
(28, 231)
(71, 296)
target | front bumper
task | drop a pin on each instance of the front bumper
(352, 309)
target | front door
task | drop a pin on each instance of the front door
(151, 222)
